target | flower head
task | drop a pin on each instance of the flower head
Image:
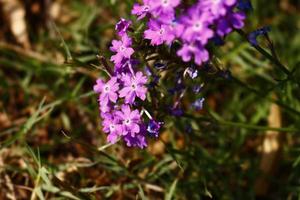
(130, 120)
(195, 50)
(164, 8)
(111, 125)
(159, 33)
(122, 26)
(108, 91)
(154, 127)
(137, 141)
(252, 37)
(141, 10)
(122, 49)
(217, 8)
(134, 86)
(233, 20)
(196, 26)
(198, 104)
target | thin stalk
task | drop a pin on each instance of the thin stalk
(273, 59)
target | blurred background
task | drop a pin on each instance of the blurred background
(51, 144)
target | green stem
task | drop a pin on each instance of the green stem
(273, 59)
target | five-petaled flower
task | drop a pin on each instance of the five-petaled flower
(134, 86)
(108, 90)
(122, 48)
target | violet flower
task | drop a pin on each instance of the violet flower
(252, 37)
(122, 26)
(164, 8)
(122, 49)
(217, 8)
(130, 120)
(111, 124)
(196, 50)
(198, 104)
(159, 33)
(233, 20)
(108, 91)
(154, 127)
(141, 10)
(196, 25)
(138, 141)
(134, 86)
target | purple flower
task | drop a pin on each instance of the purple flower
(196, 25)
(229, 22)
(177, 112)
(192, 72)
(130, 120)
(141, 10)
(122, 49)
(154, 127)
(198, 104)
(108, 91)
(217, 8)
(104, 108)
(122, 26)
(252, 37)
(138, 141)
(197, 88)
(125, 66)
(98, 86)
(159, 33)
(133, 86)
(195, 50)
(111, 124)
(164, 8)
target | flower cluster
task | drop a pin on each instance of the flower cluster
(193, 27)
(118, 96)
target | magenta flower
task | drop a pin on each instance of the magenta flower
(122, 49)
(197, 26)
(122, 26)
(164, 8)
(130, 120)
(138, 141)
(217, 8)
(229, 22)
(159, 33)
(195, 50)
(98, 86)
(133, 86)
(141, 10)
(108, 91)
(111, 126)
(104, 108)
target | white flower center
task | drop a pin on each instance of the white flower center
(197, 26)
(127, 121)
(106, 88)
(165, 2)
(133, 86)
(122, 48)
(216, 1)
(161, 31)
(146, 8)
(112, 127)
